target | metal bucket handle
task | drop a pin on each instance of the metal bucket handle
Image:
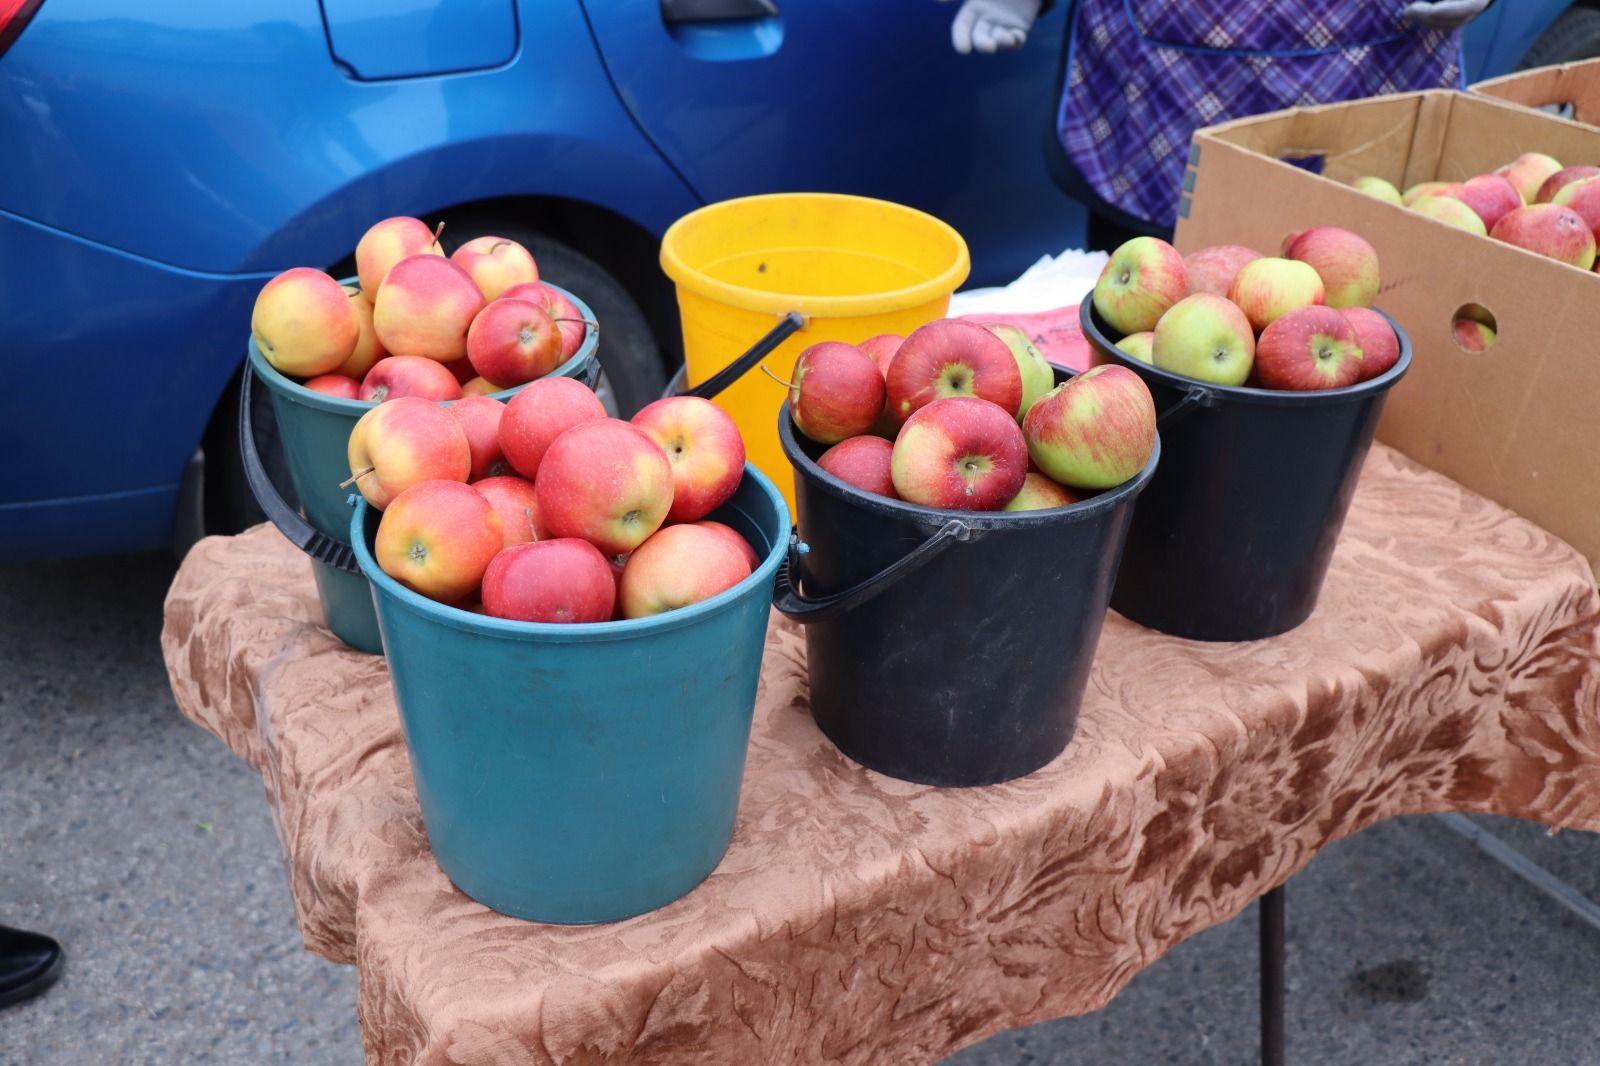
(787, 597)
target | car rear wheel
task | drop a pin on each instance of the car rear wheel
(1573, 36)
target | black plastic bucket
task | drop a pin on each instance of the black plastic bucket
(947, 647)
(1234, 535)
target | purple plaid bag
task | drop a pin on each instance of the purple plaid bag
(1143, 75)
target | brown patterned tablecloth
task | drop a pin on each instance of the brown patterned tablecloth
(1453, 663)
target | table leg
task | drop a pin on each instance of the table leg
(1272, 978)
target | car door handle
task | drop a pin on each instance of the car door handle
(678, 12)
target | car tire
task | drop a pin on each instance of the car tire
(630, 358)
(226, 502)
(1573, 36)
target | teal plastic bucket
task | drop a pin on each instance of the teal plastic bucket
(314, 429)
(581, 773)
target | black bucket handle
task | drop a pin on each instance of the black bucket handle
(1196, 396)
(302, 534)
(787, 326)
(787, 597)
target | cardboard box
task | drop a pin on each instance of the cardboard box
(1519, 423)
(1572, 90)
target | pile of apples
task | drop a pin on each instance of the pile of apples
(1532, 202)
(543, 509)
(418, 324)
(968, 418)
(1229, 315)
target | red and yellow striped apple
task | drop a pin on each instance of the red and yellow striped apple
(1037, 377)
(1452, 212)
(496, 264)
(1529, 171)
(1491, 197)
(961, 453)
(1095, 431)
(835, 392)
(1346, 263)
(386, 243)
(1550, 230)
(437, 538)
(560, 309)
(1213, 269)
(403, 443)
(1268, 288)
(604, 481)
(1380, 347)
(1039, 493)
(1309, 348)
(1142, 278)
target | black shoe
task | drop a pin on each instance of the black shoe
(29, 964)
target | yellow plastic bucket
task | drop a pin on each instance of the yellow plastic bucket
(851, 266)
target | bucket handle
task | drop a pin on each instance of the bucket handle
(1196, 396)
(302, 534)
(788, 598)
(788, 325)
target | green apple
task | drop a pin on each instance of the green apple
(1378, 189)
(1137, 345)
(1037, 377)
(1206, 338)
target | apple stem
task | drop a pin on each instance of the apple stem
(438, 229)
(353, 478)
(498, 245)
(774, 377)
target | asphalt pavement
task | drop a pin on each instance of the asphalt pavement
(147, 848)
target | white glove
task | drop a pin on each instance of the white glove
(1444, 15)
(991, 26)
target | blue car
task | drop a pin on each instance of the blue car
(160, 161)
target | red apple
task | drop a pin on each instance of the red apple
(1141, 279)
(335, 385)
(704, 447)
(516, 504)
(1213, 269)
(480, 421)
(1529, 171)
(836, 392)
(496, 264)
(304, 323)
(1039, 493)
(1309, 348)
(881, 349)
(562, 580)
(604, 481)
(1473, 336)
(403, 443)
(1095, 431)
(679, 566)
(425, 307)
(743, 546)
(1583, 197)
(388, 242)
(1491, 197)
(961, 453)
(513, 341)
(1561, 179)
(409, 375)
(863, 462)
(1549, 230)
(367, 350)
(1380, 348)
(1452, 212)
(949, 358)
(1268, 288)
(540, 413)
(1346, 263)
(560, 309)
(461, 369)
(437, 538)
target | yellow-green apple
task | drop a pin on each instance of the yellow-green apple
(863, 462)
(1139, 345)
(403, 443)
(604, 481)
(560, 309)
(335, 385)
(836, 391)
(1529, 171)
(1039, 493)
(1491, 197)
(480, 387)
(409, 375)
(540, 413)
(704, 447)
(517, 505)
(1452, 212)
(1097, 430)
(947, 358)
(1473, 336)
(1268, 288)
(1378, 188)
(480, 421)
(561, 580)
(1346, 263)
(1207, 338)
(388, 242)
(1380, 348)
(513, 341)
(1550, 230)
(744, 547)
(304, 324)
(1429, 188)
(1309, 348)
(962, 453)
(1037, 377)
(678, 566)
(1213, 269)
(437, 538)
(1584, 198)
(496, 264)
(1561, 179)
(425, 307)
(1143, 278)
(367, 350)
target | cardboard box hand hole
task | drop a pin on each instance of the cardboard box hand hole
(1474, 327)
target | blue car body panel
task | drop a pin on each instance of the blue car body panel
(378, 39)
